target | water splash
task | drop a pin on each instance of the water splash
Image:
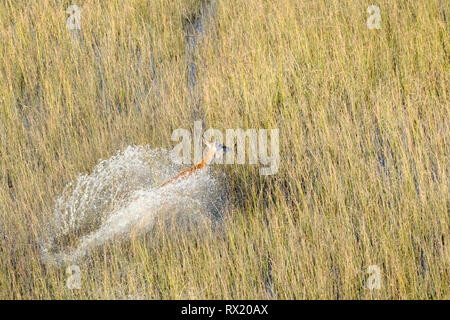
(121, 198)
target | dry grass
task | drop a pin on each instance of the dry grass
(364, 131)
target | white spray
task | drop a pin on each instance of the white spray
(120, 198)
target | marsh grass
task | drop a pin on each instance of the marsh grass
(364, 144)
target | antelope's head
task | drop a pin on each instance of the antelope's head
(216, 151)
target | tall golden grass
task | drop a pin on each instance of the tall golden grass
(364, 144)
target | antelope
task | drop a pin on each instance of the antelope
(215, 151)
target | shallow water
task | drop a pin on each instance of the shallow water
(121, 198)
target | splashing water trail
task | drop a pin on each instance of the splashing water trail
(121, 198)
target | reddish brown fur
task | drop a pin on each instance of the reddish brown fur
(202, 165)
(186, 173)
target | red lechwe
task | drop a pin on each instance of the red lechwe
(215, 151)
